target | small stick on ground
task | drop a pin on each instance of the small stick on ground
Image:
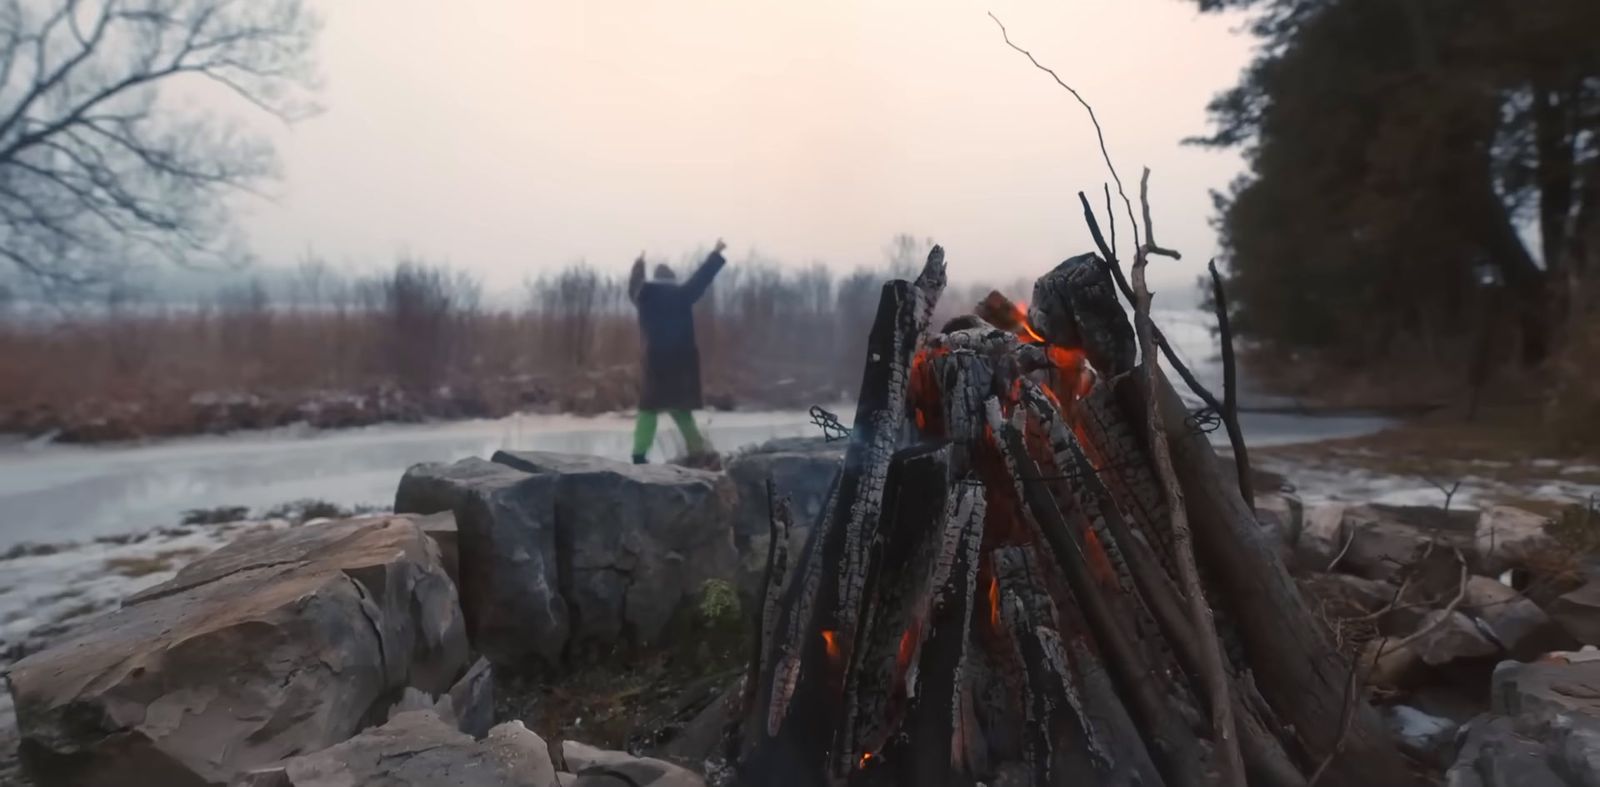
(1230, 765)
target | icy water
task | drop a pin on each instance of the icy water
(54, 494)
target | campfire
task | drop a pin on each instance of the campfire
(992, 594)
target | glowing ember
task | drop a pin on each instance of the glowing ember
(865, 758)
(994, 603)
(908, 646)
(831, 641)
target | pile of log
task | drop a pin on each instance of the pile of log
(994, 593)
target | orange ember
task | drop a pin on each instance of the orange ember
(1027, 327)
(831, 641)
(908, 646)
(865, 758)
(994, 603)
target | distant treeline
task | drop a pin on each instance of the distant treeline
(770, 335)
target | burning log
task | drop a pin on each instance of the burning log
(992, 587)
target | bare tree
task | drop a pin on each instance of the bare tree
(106, 156)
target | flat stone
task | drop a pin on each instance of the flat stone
(280, 642)
(430, 488)
(1541, 690)
(419, 749)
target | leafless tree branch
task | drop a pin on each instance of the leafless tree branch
(1099, 133)
(96, 170)
(1214, 678)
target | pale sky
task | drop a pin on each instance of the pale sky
(506, 136)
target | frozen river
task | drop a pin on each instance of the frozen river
(56, 493)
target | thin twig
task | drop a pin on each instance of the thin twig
(1230, 388)
(1450, 609)
(1235, 434)
(1225, 739)
(1150, 246)
(1351, 539)
(1098, 132)
(1111, 216)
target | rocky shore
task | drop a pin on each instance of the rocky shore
(534, 619)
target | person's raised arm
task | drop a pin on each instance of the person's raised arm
(636, 278)
(698, 283)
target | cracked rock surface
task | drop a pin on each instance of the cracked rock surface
(278, 644)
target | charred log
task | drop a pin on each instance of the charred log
(991, 591)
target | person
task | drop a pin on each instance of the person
(671, 357)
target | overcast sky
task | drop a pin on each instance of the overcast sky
(506, 136)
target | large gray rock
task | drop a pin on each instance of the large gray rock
(1511, 620)
(1494, 753)
(637, 541)
(1578, 613)
(512, 591)
(419, 749)
(1506, 537)
(430, 488)
(801, 469)
(279, 643)
(1542, 690)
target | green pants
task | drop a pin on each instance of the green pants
(644, 432)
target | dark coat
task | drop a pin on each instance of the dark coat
(666, 328)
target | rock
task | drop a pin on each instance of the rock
(441, 527)
(281, 642)
(1578, 613)
(1512, 621)
(1281, 514)
(1494, 754)
(1575, 747)
(1397, 666)
(1381, 544)
(1544, 689)
(1428, 738)
(1321, 536)
(418, 749)
(1452, 638)
(1507, 537)
(431, 488)
(639, 541)
(512, 742)
(599, 768)
(803, 469)
(1370, 594)
(472, 700)
(516, 609)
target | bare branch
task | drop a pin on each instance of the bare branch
(1230, 388)
(1150, 246)
(1098, 132)
(95, 171)
(1230, 764)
